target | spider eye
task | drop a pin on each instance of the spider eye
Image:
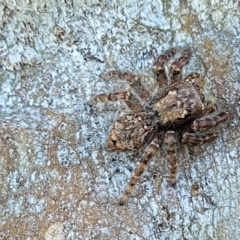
(175, 70)
(197, 86)
(157, 68)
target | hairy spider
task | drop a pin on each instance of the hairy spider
(178, 113)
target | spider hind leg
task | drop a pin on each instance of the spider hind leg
(171, 144)
(149, 152)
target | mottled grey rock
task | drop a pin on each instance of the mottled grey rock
(54, 167)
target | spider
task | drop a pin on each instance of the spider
(179, 113)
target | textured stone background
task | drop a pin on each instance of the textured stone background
(57, 180)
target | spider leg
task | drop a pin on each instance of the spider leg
(206, 123)
(173, 69)
(132, 79)
(126, 96)
(195, 139)
(158, 66)
(148, 153)
(182, 61)
(168, 66)
(209, 107)
(171, 144)
(198, 82)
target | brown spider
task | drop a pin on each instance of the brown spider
(177, 114)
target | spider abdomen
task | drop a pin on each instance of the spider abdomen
(130, 131)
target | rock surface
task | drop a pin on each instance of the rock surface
(57, 179)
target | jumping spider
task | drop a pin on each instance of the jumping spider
(178, 113)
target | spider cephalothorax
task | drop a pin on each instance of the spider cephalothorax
(177, 114)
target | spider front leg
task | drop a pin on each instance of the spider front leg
(148, 153)
(158, 66)
(177, 66)
(198, 81)
(126, 96)
(174, 70)
(132, 79)
(171, 145)
(168, 66)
